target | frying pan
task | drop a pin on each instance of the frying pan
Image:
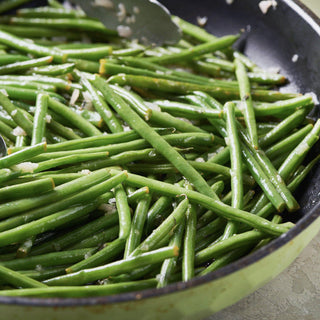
(271, 41)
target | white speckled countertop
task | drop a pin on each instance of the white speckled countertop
(295, 293)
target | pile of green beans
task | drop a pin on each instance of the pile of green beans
(132, 167)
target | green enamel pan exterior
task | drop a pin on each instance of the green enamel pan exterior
(288, 30)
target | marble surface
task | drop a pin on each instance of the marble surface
(295, 293)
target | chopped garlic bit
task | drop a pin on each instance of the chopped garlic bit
(74, 97)
(18, 131)
(67, 5)
(274, 69)
(122, 13)
(295, 58)
(47, 118)
(131, 19)
(108, 4)
(136, 10)
(4, 91)
(26, 167)
(265, 5)
(87, 100)
(124, 31)
(108, 208)
(152, 106)
(59, 38)
(200, 159)
(313, 96)
(202, 21)
(85, 171)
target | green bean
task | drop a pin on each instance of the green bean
(86, 291)
(16, 114)
(16, 93)
(236, 166)
(137, 195)
(152, 137)
(24, 65)
(11, 58)
(73, 117)
(114, 268)
(212, 204)
(60, 192)
(72, 159)
(50, 12)
(39, 119)
(138, 222)
(288, 143)
(165, 228)
(25, 190)
(224, 260)
(213, 45)
(107, 68)
(185, 88)
(75, 236)
(85, 65)
(49, 222)
(297, 155)
(6, 131)
(101, 106)
(25, 46)
(267, 78)
(234, 242)
(123, 211)
(282, 108)
(154, 116)
(187, 111)
(99, 239)
(94, 141)
(35, 32)
(53, 70)
(89, 53)
(266, 208)
(110, 251)
(189, 243)
(283, 128)
(79, 24)
(246, 61)
(225, 65)
(7, 5)
(192, 30)
(246, 102)
(23, 155)
(159, 206)
(29, 85)
(49, 259)
(274, 177)
(18, 280)
(169, 265)
(8, 174)
(44, 273)
(41, 79)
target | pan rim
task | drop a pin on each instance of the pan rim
(314, 21)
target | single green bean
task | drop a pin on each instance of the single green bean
(39, 124)
(114, 268)
(18, 280)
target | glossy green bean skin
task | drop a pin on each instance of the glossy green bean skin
(114, 268)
